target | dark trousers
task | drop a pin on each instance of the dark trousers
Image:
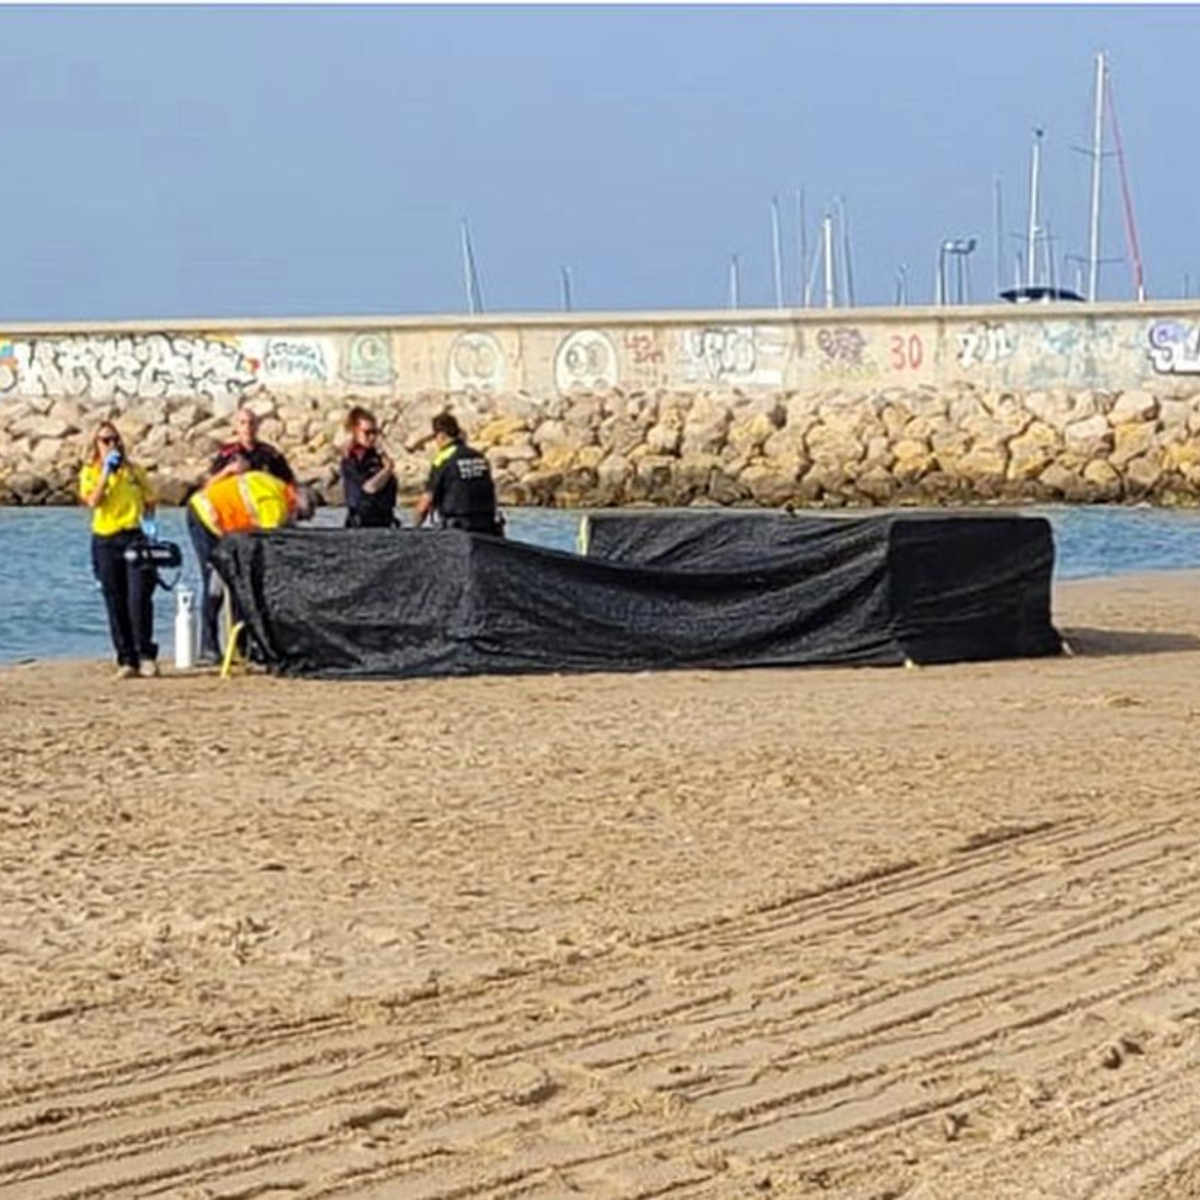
(128, 597)
(204, 542)
(476, 523)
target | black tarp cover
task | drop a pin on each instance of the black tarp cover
(405, 603)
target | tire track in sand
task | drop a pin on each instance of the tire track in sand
(805, 1026)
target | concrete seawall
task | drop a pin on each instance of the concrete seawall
(818, 407)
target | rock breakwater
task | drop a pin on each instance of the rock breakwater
(957, 444)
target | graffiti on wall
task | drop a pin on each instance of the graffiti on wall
(1088, 352)
(842, 353)
(734, 354)
(586, 360)
(292, 359)
(141, 366)
(1175, 348)
(477, 363)
(283, 359)
(983, 345)
(645, 358)
(368, 361)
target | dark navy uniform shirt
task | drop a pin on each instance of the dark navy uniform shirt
(261, 458)
(368, 510)
(461, 488)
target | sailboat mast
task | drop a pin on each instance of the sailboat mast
(1097, 157)
(1139, 281)
(847, 266)
(1034, 215)
(827, 241)
(468, 271)
(777, 251)
(474, 291)
(805, 291)
(998, 264)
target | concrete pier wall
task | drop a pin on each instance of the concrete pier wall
(859, 406)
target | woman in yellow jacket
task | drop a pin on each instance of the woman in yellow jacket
(121, 497)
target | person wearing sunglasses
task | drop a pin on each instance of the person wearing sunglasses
(368, 475)
(123, 501)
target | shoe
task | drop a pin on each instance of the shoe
(125, 671)
(148, 669)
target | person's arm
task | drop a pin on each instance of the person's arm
(223, 464)
(93, 496)
(377, 481)
(427, 500)
(149, 493)
(352, 482)
(278, 465)
(93, 483)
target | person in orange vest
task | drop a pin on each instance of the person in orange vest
(237, 503)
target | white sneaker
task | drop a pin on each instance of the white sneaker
(125, 671)
(148, 669)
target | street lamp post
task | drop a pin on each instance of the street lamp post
(959, 248)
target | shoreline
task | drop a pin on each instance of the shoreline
(737, 932)
(1136, 582)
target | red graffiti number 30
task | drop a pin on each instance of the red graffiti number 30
(907, 352)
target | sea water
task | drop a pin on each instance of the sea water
(50, 606)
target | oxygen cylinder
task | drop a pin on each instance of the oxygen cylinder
(185, 629)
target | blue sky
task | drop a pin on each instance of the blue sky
(229, 161)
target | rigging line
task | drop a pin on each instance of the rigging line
(1130, 226)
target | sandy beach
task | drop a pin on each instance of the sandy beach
(832, 933)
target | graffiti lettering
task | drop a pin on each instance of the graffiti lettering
(983, 345)
(719, 354)
(642, 349)
(1175, 348)
(296, 358)
(148, 367)
(842, 346)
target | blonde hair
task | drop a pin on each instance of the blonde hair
(103, 427)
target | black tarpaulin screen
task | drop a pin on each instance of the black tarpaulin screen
(403, 603)
(960, 585)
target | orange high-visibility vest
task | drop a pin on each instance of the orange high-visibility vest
(239, 503)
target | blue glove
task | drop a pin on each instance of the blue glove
(150, 528)
(112, 460)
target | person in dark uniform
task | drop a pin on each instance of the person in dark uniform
(368, 475)
(247, 453)
(460, 493)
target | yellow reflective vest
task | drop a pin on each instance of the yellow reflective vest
(239, 503)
